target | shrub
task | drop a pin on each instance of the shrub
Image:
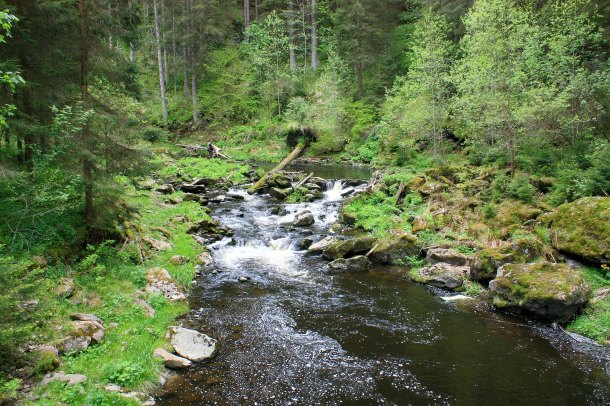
(124, 374)
(155, 134)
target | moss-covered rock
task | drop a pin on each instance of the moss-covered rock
(344, 249)
(512, 212)
(547, 290)
(488, 260)
(582, 228)
(395, 248)
(443, 275)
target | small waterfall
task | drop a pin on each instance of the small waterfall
(333, 191)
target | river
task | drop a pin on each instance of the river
(295, 334)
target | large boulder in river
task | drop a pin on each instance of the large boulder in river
(278, 180)
(280, 194)
(447, 256)
(488, 260)
(323, 244)
(394, 249)
(349, 248)
(582, 228)
(359, 263)
(443, 275)
(547, 290)
(304, 219)
(191, 344)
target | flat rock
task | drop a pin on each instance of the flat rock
(343, 249)
(448, 256)
(170, 360)
(320, 246)
(359, 263)
(70, 379)
(85, 317)
(192, 344)
(443, 275)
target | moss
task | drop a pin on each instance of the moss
(582, 228)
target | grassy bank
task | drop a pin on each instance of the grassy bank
(109, 279)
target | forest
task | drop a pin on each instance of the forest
(484, 126)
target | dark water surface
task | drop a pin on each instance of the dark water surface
(297, 335)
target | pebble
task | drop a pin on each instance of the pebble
(244, 279)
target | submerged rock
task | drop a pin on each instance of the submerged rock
(548, 290)
(359, 263)
(443, 275)
(582, 228)
(304, 219)
(395, 248)
(343, 249)
(192, 344)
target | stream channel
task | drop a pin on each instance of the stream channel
(295, 334)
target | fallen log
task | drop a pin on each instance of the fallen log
(298, 150)
(302, 182)
(213, 150)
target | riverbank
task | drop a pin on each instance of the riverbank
(110, 281)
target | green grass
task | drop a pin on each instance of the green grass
(595, 322)
(196, 168)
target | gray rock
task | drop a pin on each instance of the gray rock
(160, 281)
(304, 219)
(148, 309)
(191, 197)
(395, 248)
(165, 189)
(74, 344)
(358, 263)
(280, 194)
(443, 275)
(170, 360)
(318, 247)
(65, 288)
(192, 344)
(113, 387)
(70, 379)
(448, 256)
(85, 317)
(343, 249)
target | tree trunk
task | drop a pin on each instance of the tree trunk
(314, 35)
(174, 66)
(84, 80)
(246, 15)
(164, 42)
(185, 73)
(196, 113)
(296, 152)
(132, 53)
(160, 61)
(256, 7)
(291, 18)
(359, 56)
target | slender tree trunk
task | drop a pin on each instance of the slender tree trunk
(196, 113)
(19, 149)
(192, 64)
(164, 42)
(304, 26)
(359, 55)
(132, 53)
(110, 40)
(246, 15)
(174, 52)
(256, 7)
(314, 35)
(185, 73)
(160, 61)
(291, 18)
(84, 80)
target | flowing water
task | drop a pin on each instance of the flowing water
(295, 334)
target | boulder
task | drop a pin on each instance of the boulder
(82, 334)
(432, 188)
(48, 359)
(487, 261)
(193, 188)
(395, 248)
(305, 243)
(278, 180)
(359, 263)
(192, 344)
(65, 288)
(443, 275)
(419, 224)
(582, 228)
(157, 244)
(165, 189)
(448, 256)
(323, 244)
(191, 197)
(548, 290)
(344, 249)
(205, 258)
(159, 281)
(69, 379)
(171, 361)
(85, 317)
(148, 309)
(280, 194)
(304, 219)
(178, 259)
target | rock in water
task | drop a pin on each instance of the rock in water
(170, 360)
(358, 263)
(443, 275)
(548, 290)
(395, 248)
(304, 219)
(192, 345)
(343, 249)
(321, 245)
(448, 256)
